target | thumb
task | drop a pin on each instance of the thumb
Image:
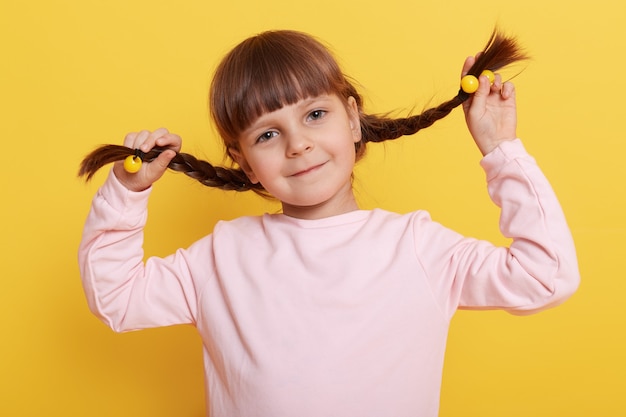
(156, 168)
(479, 99)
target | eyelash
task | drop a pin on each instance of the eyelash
(320, 114)
(266, 136)
(313, 115)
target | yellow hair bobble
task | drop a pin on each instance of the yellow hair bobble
(469, 83)
(132, 163)
(490, 75)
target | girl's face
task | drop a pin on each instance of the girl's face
(303, 154)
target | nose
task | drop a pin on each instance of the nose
(298, 145)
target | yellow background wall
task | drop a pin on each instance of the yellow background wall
(78, 73)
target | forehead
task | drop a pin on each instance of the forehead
(265, 74)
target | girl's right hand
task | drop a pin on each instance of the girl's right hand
(149, 172)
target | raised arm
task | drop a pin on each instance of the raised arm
(539, 269)
(122, 290)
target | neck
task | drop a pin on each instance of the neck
(330, 208)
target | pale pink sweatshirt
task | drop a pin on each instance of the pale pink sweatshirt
(343, 316)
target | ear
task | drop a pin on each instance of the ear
(241, 161)
(355, 121)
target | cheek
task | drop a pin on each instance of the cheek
(264, 166)
(346, 154)
(349, 146)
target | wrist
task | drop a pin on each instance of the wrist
(127, 180)
(486, 149)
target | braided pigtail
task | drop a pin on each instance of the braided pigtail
(241, 92)
(202, 171)
(500, 51)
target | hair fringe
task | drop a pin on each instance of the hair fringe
(500, 51)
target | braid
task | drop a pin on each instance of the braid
(499, 52)
(202, 171)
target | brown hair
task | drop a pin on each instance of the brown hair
(277, 68)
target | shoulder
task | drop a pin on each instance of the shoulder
(240, 225)
(389, 217)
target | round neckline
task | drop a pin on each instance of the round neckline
(337, 220)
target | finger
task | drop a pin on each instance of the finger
(150, 140)
(479, 98)
(508, 90)
(171, 141)
(135, 139)
(157, 168)
(129, 139)
(497, 83)
(469, 61)
(164, 158)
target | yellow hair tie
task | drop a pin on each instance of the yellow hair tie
(132, 163)
(469, 83)
(490, 75)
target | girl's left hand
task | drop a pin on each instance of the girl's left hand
(491, 112)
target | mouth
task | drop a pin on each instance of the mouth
(309, 170)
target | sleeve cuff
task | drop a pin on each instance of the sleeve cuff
(507, 151)
(120, 198)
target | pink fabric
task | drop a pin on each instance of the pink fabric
(343, 316)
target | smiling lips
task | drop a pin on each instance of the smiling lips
(308, 170)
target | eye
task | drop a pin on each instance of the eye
(316, 114)
(266, 136)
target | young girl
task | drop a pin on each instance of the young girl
(324, 309)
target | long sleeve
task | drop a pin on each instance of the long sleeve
(539, 269)
(121, 289)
